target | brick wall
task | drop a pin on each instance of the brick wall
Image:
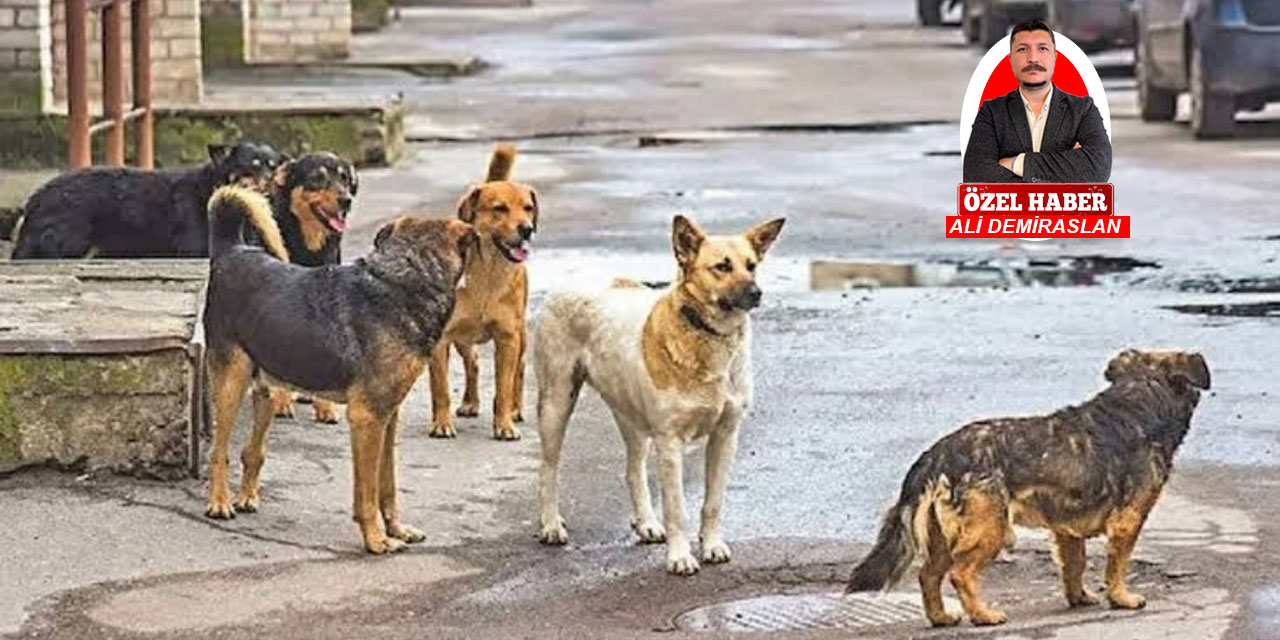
(176, 74)
(297, 30)
(24, 40)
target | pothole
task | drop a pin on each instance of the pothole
(807, 612)
(992, 272)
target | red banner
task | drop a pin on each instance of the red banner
(1036, 198)
(1037, 227)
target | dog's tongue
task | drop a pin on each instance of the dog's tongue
(338, 224)
(520, 253)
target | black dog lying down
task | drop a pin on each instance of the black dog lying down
(131, 213)
(358, 334)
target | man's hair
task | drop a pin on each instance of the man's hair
(1032, 25)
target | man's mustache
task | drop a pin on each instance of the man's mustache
(1033, 67)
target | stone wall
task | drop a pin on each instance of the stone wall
(24, 43)
(292, 31)
(176, 74)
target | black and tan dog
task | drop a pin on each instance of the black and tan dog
(1086, 470)
(493, 303)
(131, 213)
(311, 198)
(261, 325)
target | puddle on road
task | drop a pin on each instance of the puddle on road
(1267, 309)
(572, 268)
(1217, 284)
(1081, 271)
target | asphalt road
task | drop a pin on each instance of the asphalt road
(839, 115)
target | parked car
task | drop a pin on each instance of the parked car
(1226, 53)
(1092, 24)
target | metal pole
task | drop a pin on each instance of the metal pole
(78, 152)
(141, 27)
(113, 80)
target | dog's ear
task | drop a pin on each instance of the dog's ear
(533, 195)
(1192, 368)
(468, 204)
(281, 177)
(355, 179)
(218, 152)
(1121, 364)
(762, 235)
(385, 232)
(686, 240)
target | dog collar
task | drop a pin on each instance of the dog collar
(691, 315)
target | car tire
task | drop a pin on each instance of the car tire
(1154, 104)
(930, 12)
(991, 28)
(1212, 114)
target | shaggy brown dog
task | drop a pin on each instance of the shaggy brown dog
(492, 303)
(1093, 469)
(261, 327)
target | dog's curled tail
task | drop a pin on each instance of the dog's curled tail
(229, 208)
(504, 158)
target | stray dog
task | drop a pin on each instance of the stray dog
(262, 325)
(672, 365)
(130, 213)
(1086, 470)
(311, 197)
(492, 303)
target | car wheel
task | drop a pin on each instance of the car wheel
(930, 12)
(991, 28)
(1155, 104)
(1212, 114)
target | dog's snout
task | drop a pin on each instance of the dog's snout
(525, 230)
(751, 296)
(344, 201)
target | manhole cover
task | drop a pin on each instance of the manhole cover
(807, 612)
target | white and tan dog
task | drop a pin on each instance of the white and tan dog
(672, 365)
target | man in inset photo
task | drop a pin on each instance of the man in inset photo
(1037, 133)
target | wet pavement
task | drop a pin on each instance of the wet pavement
(842, 117)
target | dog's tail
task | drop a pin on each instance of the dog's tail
(905, 531)
(504, 158)
(229, 208)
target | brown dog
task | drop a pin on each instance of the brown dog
(492, 302)
(261, 328)
(1087, 470)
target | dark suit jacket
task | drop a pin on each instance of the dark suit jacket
(1001, 131)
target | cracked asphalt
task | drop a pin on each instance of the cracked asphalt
(840, 115)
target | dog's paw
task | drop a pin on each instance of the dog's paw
(406, 533)
(988, 618)
(468, 409)
(716, 552)
(650, 532)
(682, 564)
(220, 509)
(246, 503)
(517, 417)
(384, 545)
(325, 412)
(1085, 599)
(1126, 600)
(554, 533)
(944, 619)
(443, 430)
(281, 403)
(505, 432)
